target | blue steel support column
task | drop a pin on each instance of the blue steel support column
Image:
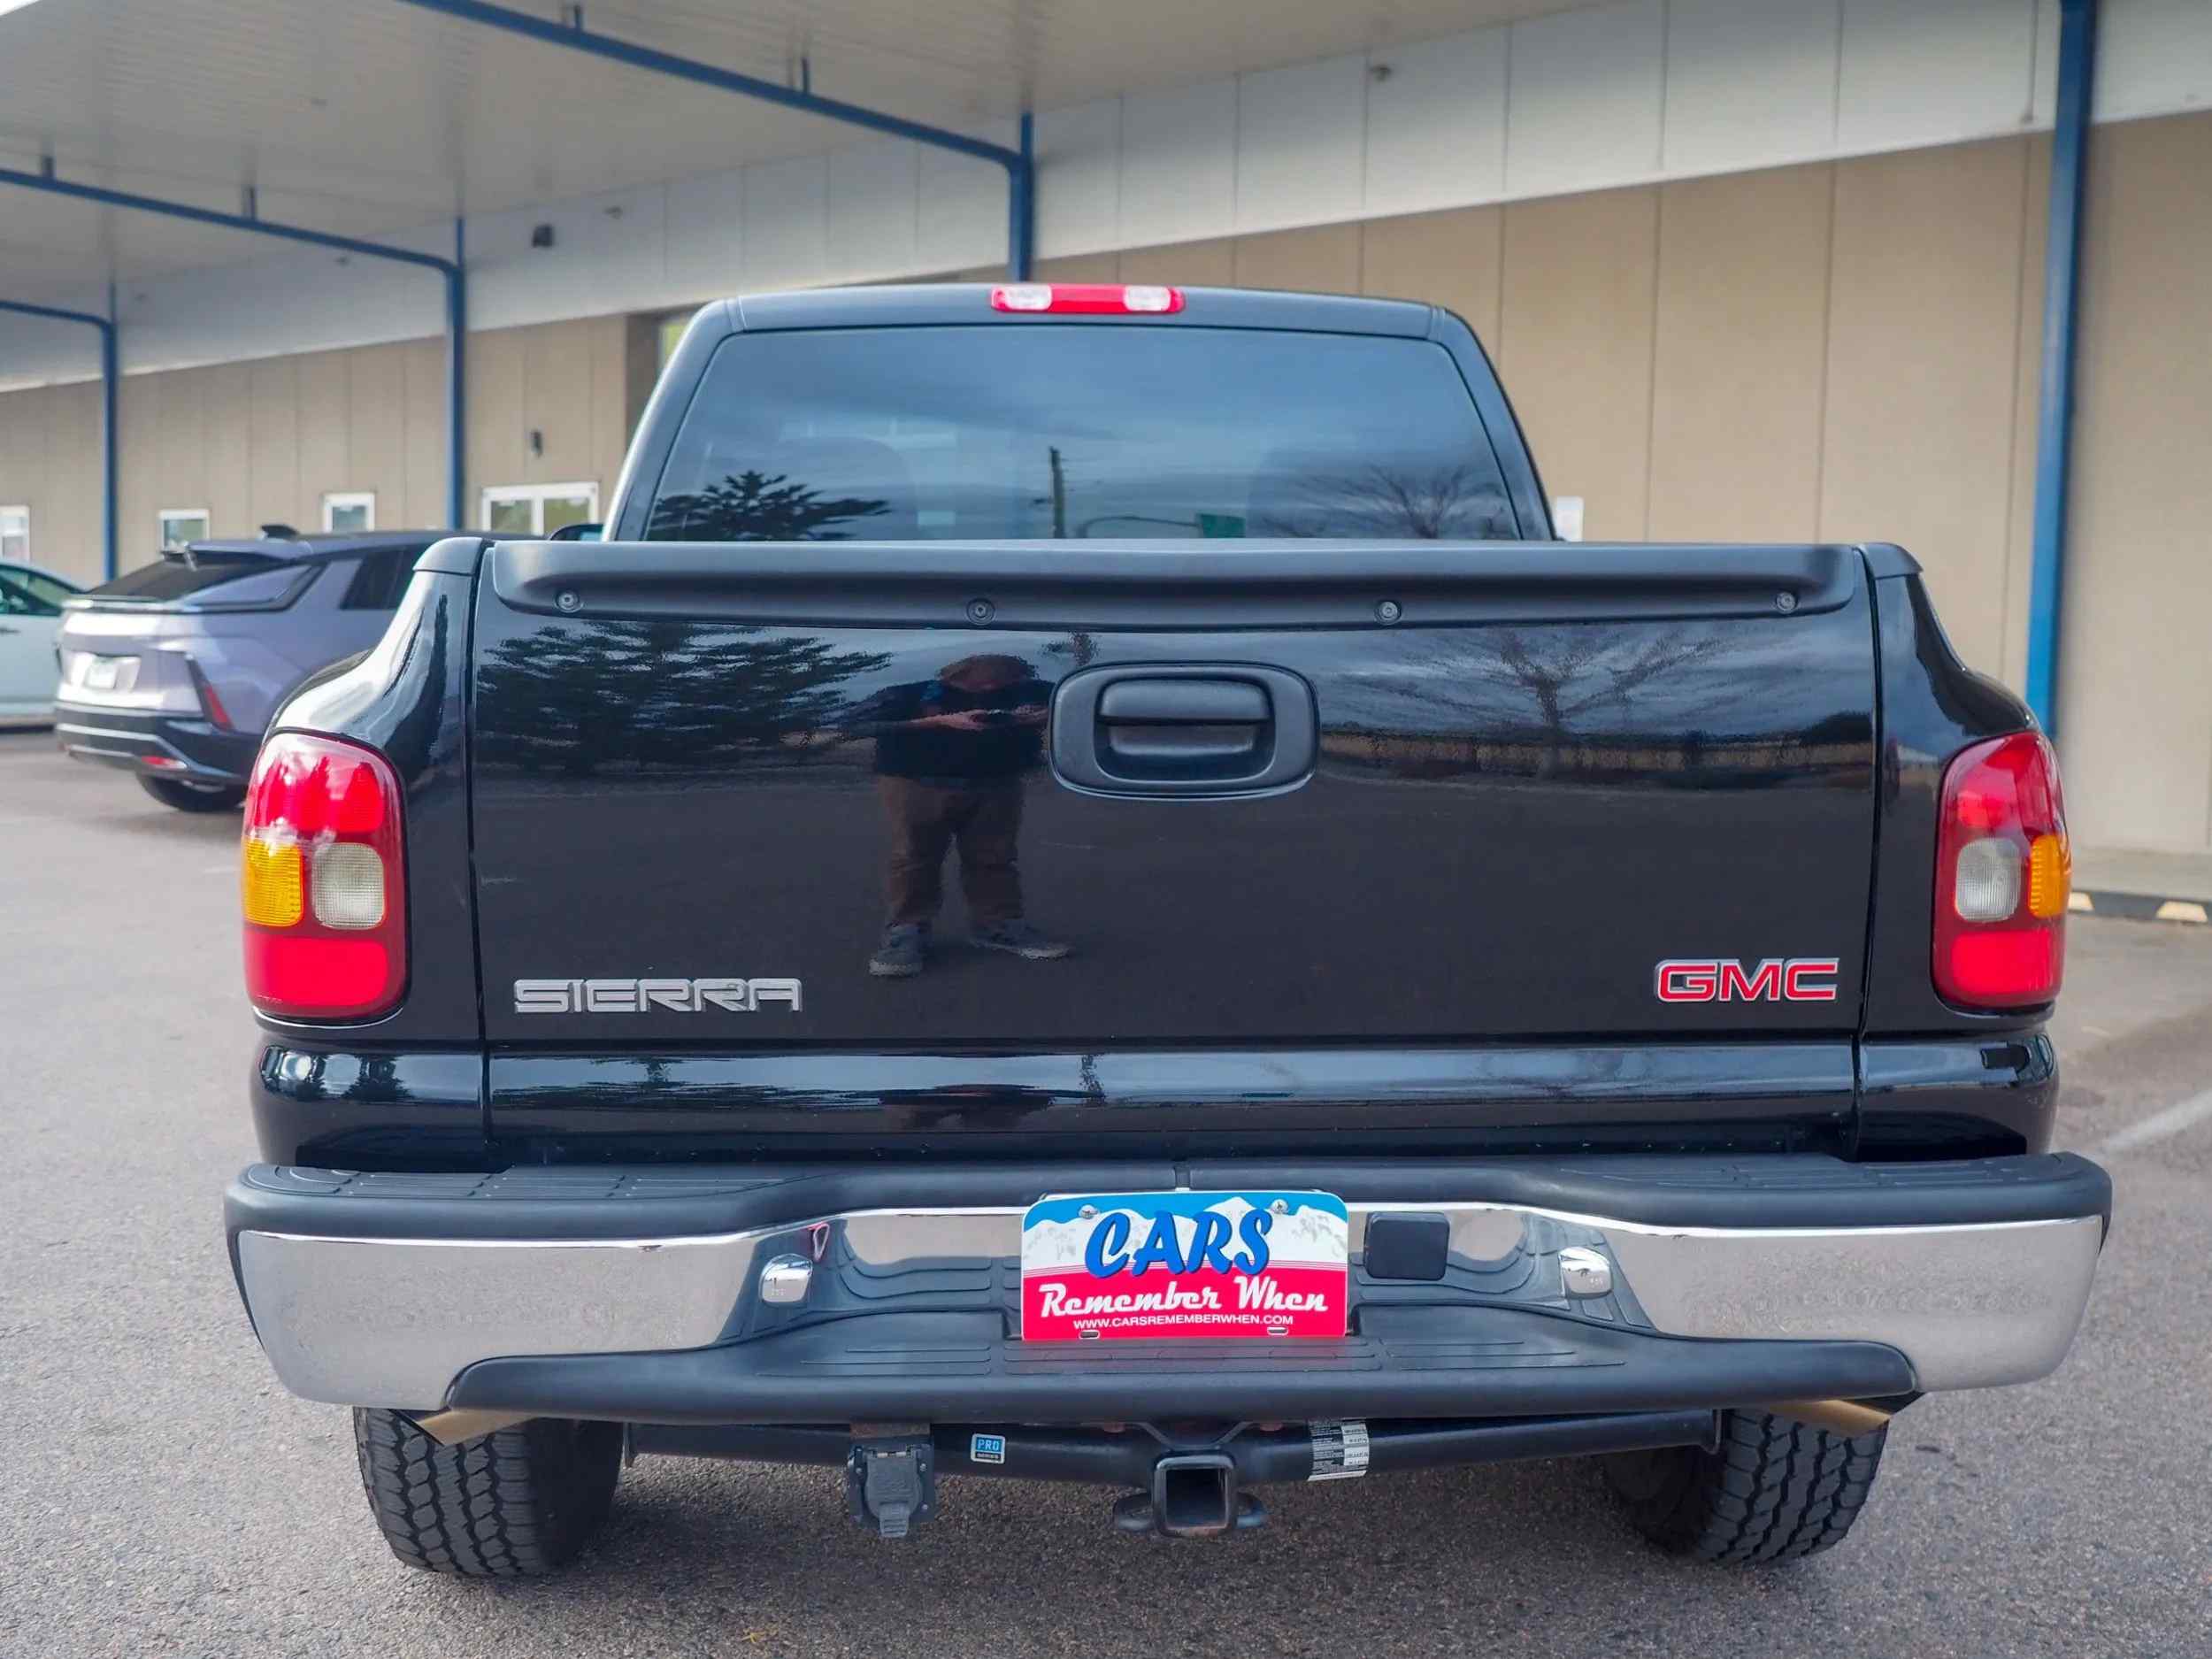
(455, 277)
(1020, 170)
(109, 439)
(2055, 412)
(1021, 206)
(456, 349)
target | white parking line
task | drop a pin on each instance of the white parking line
(2158, 1126)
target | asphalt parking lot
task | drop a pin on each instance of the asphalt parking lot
(164, 1496)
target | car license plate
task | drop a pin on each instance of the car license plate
(101, 672)
(1149, 1265)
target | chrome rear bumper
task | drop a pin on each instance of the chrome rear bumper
(397, 1320)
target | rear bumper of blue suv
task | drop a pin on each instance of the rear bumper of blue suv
(188, 747)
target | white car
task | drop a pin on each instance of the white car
(30, 617)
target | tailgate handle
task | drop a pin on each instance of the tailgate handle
(1194, 701)
(1183, 730)
(1173, 727)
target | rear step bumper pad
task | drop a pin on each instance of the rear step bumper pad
(961, 1367)
(634, 1292)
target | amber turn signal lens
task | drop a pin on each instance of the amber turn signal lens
(2050, 876)
(270, 884)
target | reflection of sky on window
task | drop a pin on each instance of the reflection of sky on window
(959, 427)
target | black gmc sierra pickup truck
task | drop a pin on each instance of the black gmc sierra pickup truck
(1429, 993)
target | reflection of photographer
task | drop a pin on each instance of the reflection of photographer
(950, 755)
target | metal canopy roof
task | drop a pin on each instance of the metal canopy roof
(370, 117)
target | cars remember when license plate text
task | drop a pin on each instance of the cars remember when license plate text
(1150, 1265)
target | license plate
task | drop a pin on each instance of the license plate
(100, 673)
(1149, 1265)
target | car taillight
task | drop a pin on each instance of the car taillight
(1094, 299)
(211, 701)
(2004, 873)
(322, 881)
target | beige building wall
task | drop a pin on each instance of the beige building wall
(262, 442)
(1842, 349)
(50, 461)
(1924, 348)
(1850, 350)
(1727, 436)
(548, 404)
(2135, 664)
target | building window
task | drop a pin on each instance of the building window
(538, 509)
(669, 334)
(345, 511)
(180, 524)
(15, 533)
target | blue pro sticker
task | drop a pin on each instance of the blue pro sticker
(986, 1448)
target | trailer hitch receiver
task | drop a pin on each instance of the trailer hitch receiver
(1195, 1494)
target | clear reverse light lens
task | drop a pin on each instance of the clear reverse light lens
(348, 886)
(1023, 297)
(1987, 888)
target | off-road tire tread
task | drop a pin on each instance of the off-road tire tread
(520, 1502)
(1777, 1490)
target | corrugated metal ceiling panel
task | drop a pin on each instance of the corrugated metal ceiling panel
(371, 117)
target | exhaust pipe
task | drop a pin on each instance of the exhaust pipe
(450, 1428)
(1842, 1416)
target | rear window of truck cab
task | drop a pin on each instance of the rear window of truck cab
(1043, 430)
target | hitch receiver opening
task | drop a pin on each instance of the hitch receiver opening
(1194, 1494)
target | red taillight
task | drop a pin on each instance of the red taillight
(209, 700)
(1096, 298)
(2004, 874)
(322, 881)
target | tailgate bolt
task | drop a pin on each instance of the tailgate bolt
(1785, 602)
(980, 611)
(785, 1279)
(567, 599)
(1388, 613)
(1584, 1271)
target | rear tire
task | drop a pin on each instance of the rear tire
(520, 1502)
(194, 797)
(1776, 1490)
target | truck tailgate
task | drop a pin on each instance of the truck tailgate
(1291, 794)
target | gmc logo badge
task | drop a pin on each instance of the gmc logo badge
(1724, 979)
